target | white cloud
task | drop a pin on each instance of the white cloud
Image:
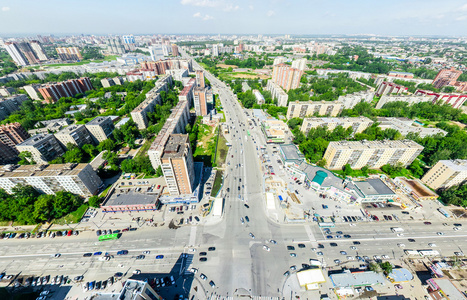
(271, 13)
(205, 17)
(464, 7)
(5, 8)
(220, 4)
(251, 7)
(461, 18)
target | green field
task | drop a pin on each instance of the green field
(73, 217)
(84, 62)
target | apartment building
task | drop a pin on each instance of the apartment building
(286, 77)
(446, 173)
(13, 134)
(26, 53)
(43, 148)
(259, 97)
(454, 100)
(161, 66)
(79, 179)
(386, 88)
(358, 124)
(74, 134)
(445, 77)
(33, 91)
(406, 126)
(187, 93)
(69, 53)
(350, 100)
(177, 165)
(140, 113)
(10, 105)
(176, 123)
(373, 154)
(70, 88)
(302, 109)
(351, 74)
(400, 74)
(410, 99)
(8, 154)
(100, 128)
(200, 101)
(7, 91)
(277, 93)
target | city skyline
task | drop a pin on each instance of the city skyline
(236, 17)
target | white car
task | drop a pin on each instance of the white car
(350, 258)
(104, 258)
(385, 256)
(456, 228)
(192, 250)
(400, 234)
(458, 254)
(266, 248)
(194, 270)
(352, 224)
(137, 272)
(353, 247)
(440, 233)
(376, 257)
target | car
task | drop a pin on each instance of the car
(105, 258)
(160, 256)
(238, 187)
(333, 244)
(427, 223)
(118, 274)
(137, 272)
(266, 248)
(320, 246)
(356, 243)
(337, 261)
(369, 288)
(384, 256)
(359, 258)
(98, 232)
(319, 253)
(212, 249)
(293, 268)
(122, 252)
(273, 242)
(104, 284)
(458, 254)
(301, 245)
(56, 255)
(287, 273)
(78, 278)
(87, 254)
(98, 285)
(293, 255)
(456, 228)
(203, 259)
(343, 253)
(202, 254)
(139, 257)
(458, 224)
(252, 235)
(290, 248)
(329, 236)
(97, 253)
(212, 284)
(432, 244)
(247, 219)
(246, 205)
(347, 236)
(324, 206)
(412, 240)
(405, 212)
(385, 217)
(350, 258)
(242, 220)
(401, 245)
(389, 217)
(400, 234)
(398, 286)
(338, 236)
(203, 277)
(44, 293)
(440, 233)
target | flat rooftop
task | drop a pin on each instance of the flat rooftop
(34, 140)
(97, 121)
(348, 279)
(373, 187)
(188, 87)
(69, 129)
(130, 198)
(176, 145)
(385, 144)
(41, 170)
(291, 152)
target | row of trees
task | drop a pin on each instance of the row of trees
(27, 206)
(455, 195)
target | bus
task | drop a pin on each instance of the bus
(428, 253)
(108, 237)
(326, 224)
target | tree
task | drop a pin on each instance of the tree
(374, 267)
(43, 208)
(321, 163)
(73, 155)
(159, 172)
(26, 158)
(416, 168)
(386, 267)
(107, 144)
(94, 201)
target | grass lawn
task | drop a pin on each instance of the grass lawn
(73, 217)
(144, 149)
(84, 62)
(104, 193)
(217, 183)
(222, 150)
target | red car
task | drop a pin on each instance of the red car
(159, 186)
(69, 232)
(427, 223)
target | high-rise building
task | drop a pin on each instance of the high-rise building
(286, 77)
(373, 154)
(187, 93)
(156, 52)
(32, 91)
(177, 165)
(79, 179)
(69, 53)
(43, 148)
(52, 93)
(115, 46)
(139, 114)
(28, 52)
(277, 93)
(200, 79)
(215, 50)
(8, 154)
(302, 109)
(15, 54)
(445, 77)
(299, 64)
(13, 134)
(160, 67)
(175, 50)
(128, 39)
(200, 101)
(11, 104)
(446, 173)
(358, 124)
(39, 51)
(74, 134)
(100, 128)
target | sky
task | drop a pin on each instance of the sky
(295, 17)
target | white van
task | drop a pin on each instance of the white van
(397, 229)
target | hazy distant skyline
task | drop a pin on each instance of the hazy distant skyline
(398, 17)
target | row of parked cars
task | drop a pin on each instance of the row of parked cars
(39, 281)
(100, 285)
(41, 234)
